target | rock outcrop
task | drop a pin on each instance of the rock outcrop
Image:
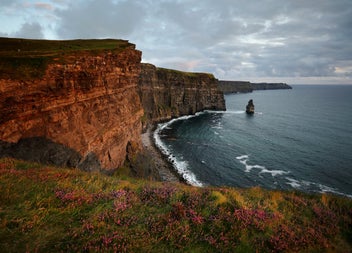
(250, 107)
(245, 86)
(82, 110)
(167, 93)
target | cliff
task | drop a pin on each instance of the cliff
(235, 86)
(167, 93)
(270, 86)
(82, 103)
(70, 103)
(245, 86)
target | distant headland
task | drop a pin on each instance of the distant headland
(245, 86)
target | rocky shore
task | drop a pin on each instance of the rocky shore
(164, 170)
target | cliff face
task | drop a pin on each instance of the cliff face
(244, 86)
(166, 93)
(78, 103)
(83, 110)
(235, 86)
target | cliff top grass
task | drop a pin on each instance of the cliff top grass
(48, 209)
(26, 58)
(183, 73)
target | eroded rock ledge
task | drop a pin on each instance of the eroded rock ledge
(167, 93)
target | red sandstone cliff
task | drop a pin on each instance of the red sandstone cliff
(85, 103)
(167, 93)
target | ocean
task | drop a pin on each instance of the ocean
(297, 139)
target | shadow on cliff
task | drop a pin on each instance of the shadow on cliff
(43, 150)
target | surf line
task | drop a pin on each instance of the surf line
(244, 160)
(180, 166)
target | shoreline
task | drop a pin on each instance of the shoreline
(164, 168)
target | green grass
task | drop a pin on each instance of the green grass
(27, 59)
(48, 209)
(183, 73)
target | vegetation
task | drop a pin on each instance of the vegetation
(183, 73)
(47, 209)
(26, 59)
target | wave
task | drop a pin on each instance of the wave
(180, 165)
(273, 172)
(314, 187)
(242, 157)
(248, 167)
(231, 112)
(294, 183)
(225, 112)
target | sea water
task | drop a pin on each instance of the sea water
(297, 139)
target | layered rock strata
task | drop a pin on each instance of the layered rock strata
(167, 94)
(82, 111)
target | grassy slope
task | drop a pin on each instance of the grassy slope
(48, 209)
(27, 59)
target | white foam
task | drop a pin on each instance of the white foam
(322, 188)
(273, 172)
(179, 165)
(242, 157)
(244, 160)
(225, 112)
(317, 187)
(250, 167)
(293, 183)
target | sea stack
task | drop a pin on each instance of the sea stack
(250, 107)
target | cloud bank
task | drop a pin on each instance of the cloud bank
(271, 40)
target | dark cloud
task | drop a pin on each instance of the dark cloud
(96, 19)
(30, 31)
(5, 3)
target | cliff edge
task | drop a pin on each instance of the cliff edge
(70, 103)
(245, 86)
(167, 93)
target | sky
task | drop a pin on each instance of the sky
(292, 41)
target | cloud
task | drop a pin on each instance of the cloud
(234, 39)
(30, 31)
(98, 19)
(44, 6)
